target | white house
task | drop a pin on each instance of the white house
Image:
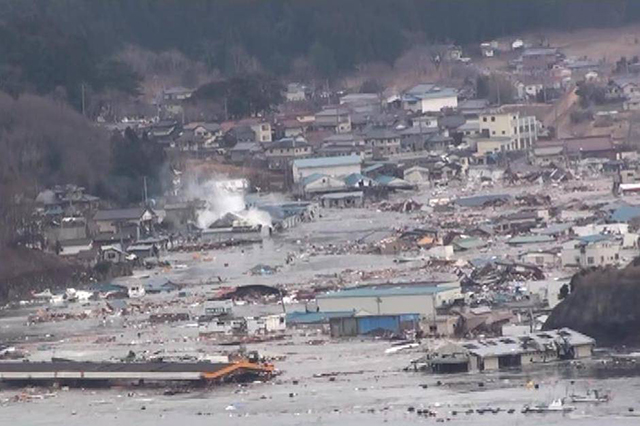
(591, 251)
(428, 97)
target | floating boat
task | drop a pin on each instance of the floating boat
(593, 396)
(556, 406)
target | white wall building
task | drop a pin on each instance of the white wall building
(429, 97)
(415, 299)
(591, 251)
(330, 166)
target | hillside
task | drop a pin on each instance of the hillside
(79, 41)
(603, 304)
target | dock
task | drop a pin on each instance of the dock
(141, 372)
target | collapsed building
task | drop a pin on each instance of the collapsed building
(506, 352)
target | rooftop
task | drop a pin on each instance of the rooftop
(328, 162)
(386, 291)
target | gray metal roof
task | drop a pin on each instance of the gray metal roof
(386, 291)
(328, 161)
(120, 214)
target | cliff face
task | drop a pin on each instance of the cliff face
(604, 304)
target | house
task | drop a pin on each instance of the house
(178, 215)
(114, 254)
(488, 49)
(266, 324)
(429, 97)
(66, 228)
(291, 128)
(243, 152)
(363, 324)
(580, 148)
(511, 351)
(410, 299)
(542, 258)
(176, 94)
(342, 199)
(625, 87)
(346, 144)
(330, 166)
(473, 107)
(232, 228)
(590, 251)
(549, 155)
(393, 183)
(539, 59)
(521, 221)
(336, 119)
(295, 92)
(75, 247)
(382, 141)
(279, 154)
(360, 99)
(164, 131)
(417, 175)
(318, 183)
(139, 220)
(494, 145)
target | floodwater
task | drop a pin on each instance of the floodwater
(322, 381)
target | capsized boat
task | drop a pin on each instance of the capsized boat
(556, 406)
(593, 396)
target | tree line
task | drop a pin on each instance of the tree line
(63, 45)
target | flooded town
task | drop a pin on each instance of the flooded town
(449, 237)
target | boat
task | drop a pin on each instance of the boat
(593, 396)
(556, 406)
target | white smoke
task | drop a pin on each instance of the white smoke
(223, 196)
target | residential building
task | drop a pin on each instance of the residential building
(279, 154)
(336, 119)
(137, 220)
(428, 97)
(548, 155)
(176, 94)
(591, 251)
(295, 92)
(330, 166)
(522, 131)
(539, 59)
(382, 141)
(243, 151)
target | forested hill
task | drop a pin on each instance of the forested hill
(49, 44)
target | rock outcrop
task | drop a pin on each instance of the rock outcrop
(605, 304)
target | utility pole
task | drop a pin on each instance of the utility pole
(144, 179)
(82, 90)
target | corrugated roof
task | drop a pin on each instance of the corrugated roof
(328, 161)
(386, 291)
(625, 213)
(120, 214)
(480, 200)
(531, 239)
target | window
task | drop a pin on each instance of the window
(590, 261)
(493, 132)
(493, 119)
(504, 132)
(484, 119)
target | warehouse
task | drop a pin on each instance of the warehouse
(357, 324)
(421, 300)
